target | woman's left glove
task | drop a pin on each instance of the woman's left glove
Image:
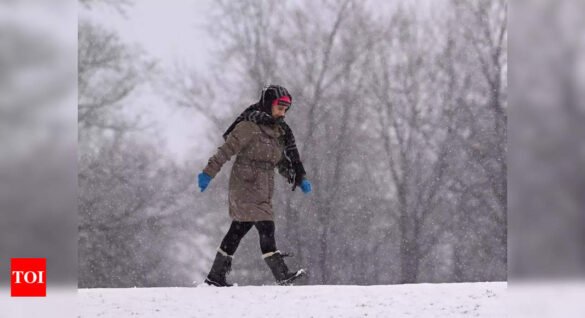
(204, 180)
(306, 186)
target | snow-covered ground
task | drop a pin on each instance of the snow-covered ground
(419, 300)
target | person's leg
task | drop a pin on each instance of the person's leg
(223, 258)
(232, 238)
(266, 233)
(272, 256)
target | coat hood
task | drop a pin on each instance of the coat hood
(269, 94)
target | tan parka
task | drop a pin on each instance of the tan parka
(258, 150)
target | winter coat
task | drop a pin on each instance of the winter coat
(251, 184)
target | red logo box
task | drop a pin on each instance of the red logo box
(28, 277)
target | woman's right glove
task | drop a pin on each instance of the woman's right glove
(204, 180)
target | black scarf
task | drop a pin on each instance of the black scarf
(290, 165)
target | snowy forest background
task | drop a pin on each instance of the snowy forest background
(400, 114)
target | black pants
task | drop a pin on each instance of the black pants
(238, 230)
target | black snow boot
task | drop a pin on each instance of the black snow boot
(275, 261)
(222, 265)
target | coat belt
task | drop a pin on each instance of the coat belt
(265, 165)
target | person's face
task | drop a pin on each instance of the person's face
(278, 111)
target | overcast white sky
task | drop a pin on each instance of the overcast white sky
(166, 29)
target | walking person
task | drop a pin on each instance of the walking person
(261, 141)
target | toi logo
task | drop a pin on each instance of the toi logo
(28, 277)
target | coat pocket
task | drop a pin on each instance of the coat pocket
(246, 173)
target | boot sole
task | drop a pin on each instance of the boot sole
(214, 283)
(300, 273)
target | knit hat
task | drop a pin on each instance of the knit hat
(282, 101)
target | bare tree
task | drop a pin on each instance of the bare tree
(108, 71)
(129, 220)
(133, 201)
(482, 112)
(414, 144)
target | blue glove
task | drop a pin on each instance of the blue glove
(306, 186)
(204, 180)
